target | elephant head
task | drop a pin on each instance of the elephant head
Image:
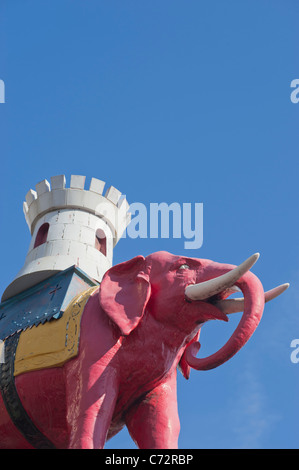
(182, 294)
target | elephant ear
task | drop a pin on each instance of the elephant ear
(124, 293)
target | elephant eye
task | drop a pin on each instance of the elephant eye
(184, 266)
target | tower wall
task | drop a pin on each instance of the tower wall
(65, 224)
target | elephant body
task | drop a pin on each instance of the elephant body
(137, 328)
(100, 381)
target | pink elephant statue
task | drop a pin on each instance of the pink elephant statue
(137, 328)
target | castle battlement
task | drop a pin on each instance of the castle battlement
(112, 207)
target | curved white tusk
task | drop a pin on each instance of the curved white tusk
(207, 289)
(271, 294)
(237, 305)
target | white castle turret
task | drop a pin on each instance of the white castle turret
(70, 226)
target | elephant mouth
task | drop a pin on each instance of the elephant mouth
(216, 291)
(217, 307)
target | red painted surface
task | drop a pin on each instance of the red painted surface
(101, 242)
(134, 334)
(42, 235)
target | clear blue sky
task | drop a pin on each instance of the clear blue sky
(172, 101)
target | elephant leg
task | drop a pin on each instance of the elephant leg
(154, 423)
(90, 409)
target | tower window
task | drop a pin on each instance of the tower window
(42, 234)
(100, 243)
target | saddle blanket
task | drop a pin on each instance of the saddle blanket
(53, 343)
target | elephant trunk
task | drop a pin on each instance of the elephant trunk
(254, 300)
